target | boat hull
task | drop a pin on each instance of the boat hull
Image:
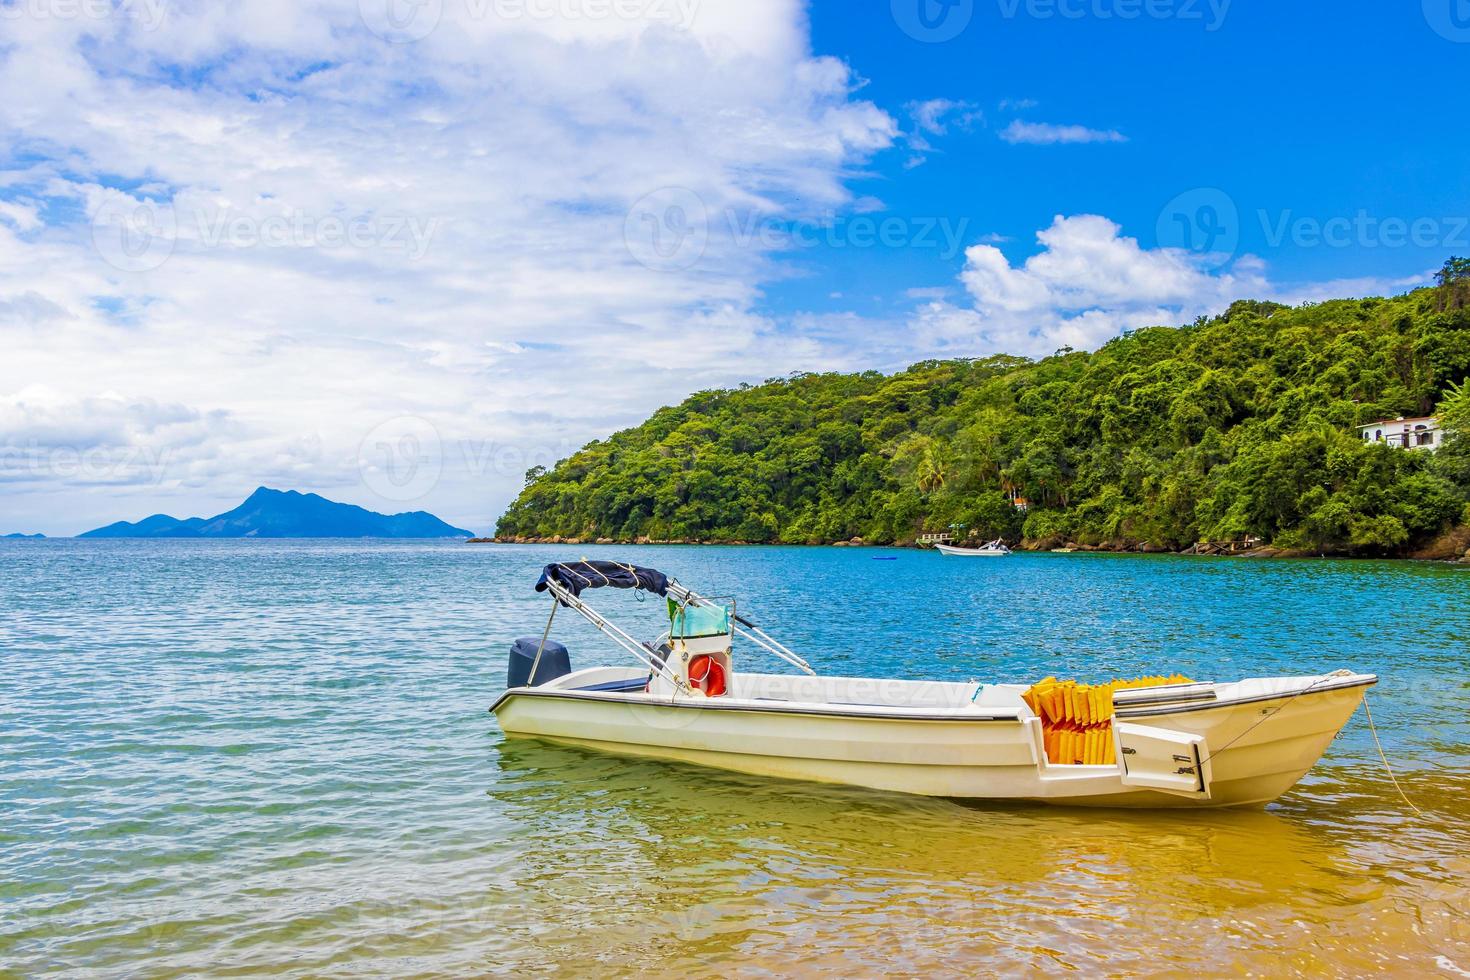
(1257, 749)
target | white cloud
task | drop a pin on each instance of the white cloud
(1088, 283)
(935, 117)
(30, 307)
(21, 215)
(348, 232)
(1315, 292)
(1020, 131)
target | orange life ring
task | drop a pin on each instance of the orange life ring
(707, 675)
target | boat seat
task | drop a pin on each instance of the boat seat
(636, 684)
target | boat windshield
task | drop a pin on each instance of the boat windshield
(691, 621)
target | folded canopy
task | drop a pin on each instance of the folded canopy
(574, 576)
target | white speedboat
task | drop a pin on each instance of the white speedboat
(1173, 744)
(992, 549)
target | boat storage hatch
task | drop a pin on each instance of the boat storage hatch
(1169, 761)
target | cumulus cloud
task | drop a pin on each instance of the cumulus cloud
(104, 441)
(505, 228)
(1044, 134)
(1087, 283)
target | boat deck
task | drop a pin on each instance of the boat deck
(949, 700)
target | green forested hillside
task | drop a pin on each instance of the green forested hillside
(1236, 426)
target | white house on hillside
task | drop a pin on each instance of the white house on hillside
(1421, 433)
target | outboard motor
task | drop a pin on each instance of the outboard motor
(554, 662)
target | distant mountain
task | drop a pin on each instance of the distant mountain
(19, 535)
(270, 513)
(157, 526)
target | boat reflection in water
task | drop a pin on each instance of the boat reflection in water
(673, 867)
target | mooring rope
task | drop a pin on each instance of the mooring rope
(1374, 729)
(1371, 727)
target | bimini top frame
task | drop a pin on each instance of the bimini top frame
(567, 580)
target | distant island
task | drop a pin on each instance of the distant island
(19, 535)
(1340, 427)
(268, 513)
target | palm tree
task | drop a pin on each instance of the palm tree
(932, 470)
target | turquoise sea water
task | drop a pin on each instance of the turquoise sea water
(275, 757)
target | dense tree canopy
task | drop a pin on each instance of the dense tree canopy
(1242, 425)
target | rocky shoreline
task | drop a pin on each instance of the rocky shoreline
(1452, 546)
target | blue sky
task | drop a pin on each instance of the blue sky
(1304, 111)
(397, 252)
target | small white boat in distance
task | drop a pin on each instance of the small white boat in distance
(992, 549)
(1174, 744)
